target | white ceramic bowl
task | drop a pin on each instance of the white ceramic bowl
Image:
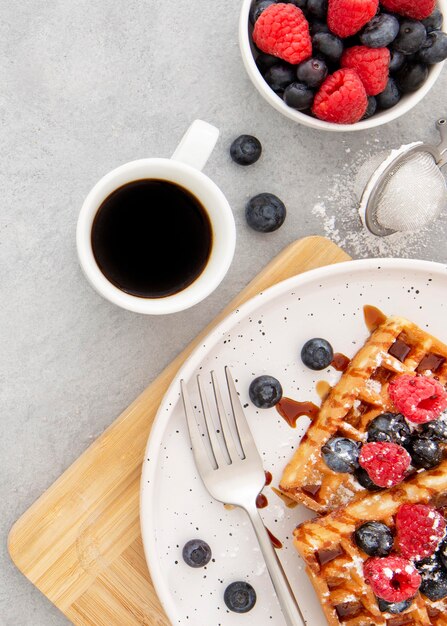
(406, 103)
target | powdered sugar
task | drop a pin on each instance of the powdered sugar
(373, 385)
(337, 212)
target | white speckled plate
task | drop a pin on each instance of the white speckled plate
(263, 336)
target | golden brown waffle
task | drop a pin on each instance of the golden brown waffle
(335, 563)
(397, 346)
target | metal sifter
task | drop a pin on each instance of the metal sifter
(405, 190)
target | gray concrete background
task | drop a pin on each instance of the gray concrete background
(85, 86)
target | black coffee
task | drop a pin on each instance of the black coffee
(151, 238)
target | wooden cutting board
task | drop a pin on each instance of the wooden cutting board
(80, 543)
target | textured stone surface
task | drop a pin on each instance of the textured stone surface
(85, 86)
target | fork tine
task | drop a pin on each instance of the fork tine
(215, 445)
(243, 430)
(198, 447)
(227, 434)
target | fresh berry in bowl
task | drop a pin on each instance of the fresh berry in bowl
(343, 64)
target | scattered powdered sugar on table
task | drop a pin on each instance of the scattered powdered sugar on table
(337, 212)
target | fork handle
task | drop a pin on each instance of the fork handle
(287, 601)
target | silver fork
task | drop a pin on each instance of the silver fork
(237, 480)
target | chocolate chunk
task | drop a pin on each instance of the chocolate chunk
(348, 609)
(430, 362)
(324, 556)
(400, 350)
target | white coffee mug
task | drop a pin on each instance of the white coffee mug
(184, 169)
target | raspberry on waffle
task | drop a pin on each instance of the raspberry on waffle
(345, 577)
(396, 347)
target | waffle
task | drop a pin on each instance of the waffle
(397, 346)
(335, 563)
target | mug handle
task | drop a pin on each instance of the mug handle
(197, 144)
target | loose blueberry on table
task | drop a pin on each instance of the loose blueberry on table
(245, 150)
(332, 56)
(265, 212)
(196, 553)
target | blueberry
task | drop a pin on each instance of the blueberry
(426, 567)
(434, 49)
(298, 96)
(434, 578)
(390, 427)
(279, 76)
(327, 44)
(380, 31)
(265, 212)
(301, 4)
(396, 61)
(433, 21)
(412, 35)
(365, 481)
(312, 72)
(265, 392)
(318, 27)
(393, 607)
(258, 7)
(245, 150)
(317, 354)
(196, 553)
(436, 429)
(390, 96)
(441, 553)
(341, 454)
(240, 597)
(371, 108)
(374, 538)
(265, 61)
(411, 76)
(317, 8)
(435, 588)
(425, 453)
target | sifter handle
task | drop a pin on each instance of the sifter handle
(441, 125)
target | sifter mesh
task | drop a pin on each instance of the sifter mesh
(365, 172)
(412, 195)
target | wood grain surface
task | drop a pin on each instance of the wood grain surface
(80, 542)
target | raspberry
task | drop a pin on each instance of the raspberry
(371, 64)
(392, 578)
(341, 99)
(418, 398)
(282, 31)
(347, 17)
(416, 9)
(420, 528)
(386, 463)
